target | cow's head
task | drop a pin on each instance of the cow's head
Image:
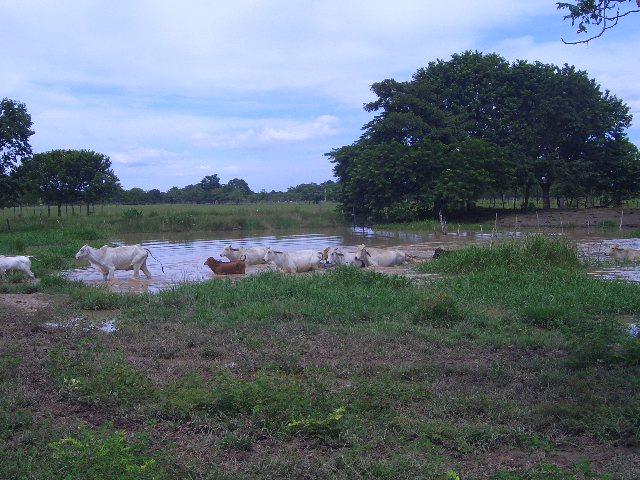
(211, 262)
(83, 253)
(616, 249)
(228, 250)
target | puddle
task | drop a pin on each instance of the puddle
(183, 255)
(108, 326)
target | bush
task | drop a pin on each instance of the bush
(535, 252)
(132, 213)
(270, 399)
(543, 316)
(105, 381)
(440, 311)
(323, 428)
(103, 454)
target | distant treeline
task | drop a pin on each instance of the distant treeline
(478, 127)
(210, 190)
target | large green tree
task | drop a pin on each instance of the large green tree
(477, 125)
(70, 176)
(15, 130)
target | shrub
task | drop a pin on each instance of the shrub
(103, 454)
(132, 213)
(439, 311)
(270, 399)
(323, 428)
(105, 381)
(542, 316)
(535, 252)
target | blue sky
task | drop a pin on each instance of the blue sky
(173, 91)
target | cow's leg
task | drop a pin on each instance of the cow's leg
(136, 270)
(144, 268)
(30, 273)
(112, 271)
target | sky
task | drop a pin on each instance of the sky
(173, 91)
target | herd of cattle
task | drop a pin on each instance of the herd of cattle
(107, 260)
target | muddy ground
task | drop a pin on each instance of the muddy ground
(168, 351)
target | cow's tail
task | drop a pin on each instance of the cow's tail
(31, 256)
(161, 266)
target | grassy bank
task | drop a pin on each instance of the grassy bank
(114, 219)
(514, 364)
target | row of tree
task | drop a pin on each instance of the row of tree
(477, 126)
(60, 177)
(210, 190)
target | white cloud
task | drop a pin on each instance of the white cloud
(272, 132)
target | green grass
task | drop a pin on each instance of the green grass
(434, 226)
(349, 374)
(119, 219)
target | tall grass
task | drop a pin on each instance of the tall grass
(115, 219)
(534, 252)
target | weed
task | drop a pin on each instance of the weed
(103, 454)
(439, 311)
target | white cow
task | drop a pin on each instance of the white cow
(109, 259)
(294, 262)
(379, 257)
(254, 255)
(343, 256)
(20, 263)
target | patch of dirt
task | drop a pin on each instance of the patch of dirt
(28, 303)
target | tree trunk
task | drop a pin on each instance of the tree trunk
(87, 209)
(48, 210)
(546, 198)
(59, 209)
(527, 194)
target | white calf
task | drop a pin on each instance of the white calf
(20, 264)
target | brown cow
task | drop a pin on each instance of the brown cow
(234, 267)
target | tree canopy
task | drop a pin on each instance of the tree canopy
(477, 125)
(69, 176)
(595, 17)
(15, 130)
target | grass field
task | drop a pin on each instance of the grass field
(510, 364)
(112, 219)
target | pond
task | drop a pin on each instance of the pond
(183, 255)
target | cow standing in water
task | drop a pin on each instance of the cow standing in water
(234, 267)
(252, 256)
(109, 259)
(379, 257)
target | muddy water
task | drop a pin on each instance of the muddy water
(183, 255)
